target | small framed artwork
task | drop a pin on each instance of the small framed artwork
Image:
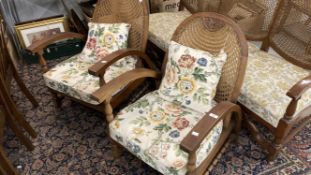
(30, 32)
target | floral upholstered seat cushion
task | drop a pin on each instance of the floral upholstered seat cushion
(153, 128)
(71, 77)
(162, 26)
(267, 80)
(191, 76)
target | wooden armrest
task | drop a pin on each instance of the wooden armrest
(41, 44)
(100, 67)
(121, 81)
(295, 93)
(198, 133)
(299, 88)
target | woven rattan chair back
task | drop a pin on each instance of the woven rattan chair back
(291, 32)
(133, 12)
(201, 5)
(256, 16)
(253, 16)
(212, 32)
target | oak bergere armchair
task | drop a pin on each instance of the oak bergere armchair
(274, 92)
(117, 37)
(180, 127)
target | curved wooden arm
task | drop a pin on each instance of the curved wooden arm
(121, 81)
(198, 133)
(299, 88)
(41, 44)
(295, 93)
(100, 67)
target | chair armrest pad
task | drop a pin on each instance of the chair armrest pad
(195, 137)
(121, 81)
(100, 67)
(299, 88)
(40, 45)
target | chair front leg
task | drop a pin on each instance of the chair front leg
(280, 136)
(116, 148)
(58, 99)
(191, 166)
(108, 110)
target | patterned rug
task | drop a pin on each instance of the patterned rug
(72, 140)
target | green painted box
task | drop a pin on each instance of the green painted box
(57, 50)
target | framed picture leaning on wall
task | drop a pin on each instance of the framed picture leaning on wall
(32, 31)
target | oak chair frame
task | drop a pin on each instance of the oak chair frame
(225, 109)
(9, 111)
(108, 11)
(288, 126)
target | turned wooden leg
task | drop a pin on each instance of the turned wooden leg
(25, 90)
(108, 110)
(280, 136)
(5, 164)
(191, 163)
(116, 148)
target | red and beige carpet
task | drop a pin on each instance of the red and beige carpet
(72, 140)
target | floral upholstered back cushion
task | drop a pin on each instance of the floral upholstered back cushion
(103, 39)
(191, 76)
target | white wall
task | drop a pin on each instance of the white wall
(34, 9)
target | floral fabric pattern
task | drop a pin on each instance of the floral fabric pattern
(267, 80)
(163, 25)
(71, 76)
(191, 76)
(103, 39)
(152, 129)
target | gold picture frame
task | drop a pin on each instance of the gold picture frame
(30, 32)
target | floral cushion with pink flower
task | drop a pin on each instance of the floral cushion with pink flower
(191, 76)
(71, 76)
(103, 39)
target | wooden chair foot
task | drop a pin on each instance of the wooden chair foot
(58, 99)
(274, 152)
(116, 150)
(272, 155)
